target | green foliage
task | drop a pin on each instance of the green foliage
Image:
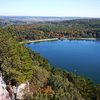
(14, 59)
(40, 61)
(40, 78)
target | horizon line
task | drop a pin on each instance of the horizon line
(45, 16)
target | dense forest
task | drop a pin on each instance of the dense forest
(79, 28)
(20, 64)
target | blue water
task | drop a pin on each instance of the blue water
(78, 56)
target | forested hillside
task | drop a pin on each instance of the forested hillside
(79, 28)
(46, 83)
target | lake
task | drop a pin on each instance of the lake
(81, 57)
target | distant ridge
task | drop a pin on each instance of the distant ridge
(22, 20)
(37, 18)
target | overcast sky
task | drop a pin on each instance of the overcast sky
(79, 8)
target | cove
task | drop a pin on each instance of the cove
(81, 57)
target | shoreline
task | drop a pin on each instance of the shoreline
(81, 38)
(41, 40)
(52, 39)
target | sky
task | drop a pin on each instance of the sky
(70, 8)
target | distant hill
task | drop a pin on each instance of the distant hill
(17, 20)
(37, 18)
(22, 20)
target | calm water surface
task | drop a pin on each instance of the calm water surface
(79, 56)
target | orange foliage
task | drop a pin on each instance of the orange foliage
(46, 89)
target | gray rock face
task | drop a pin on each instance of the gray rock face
(4, 95)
